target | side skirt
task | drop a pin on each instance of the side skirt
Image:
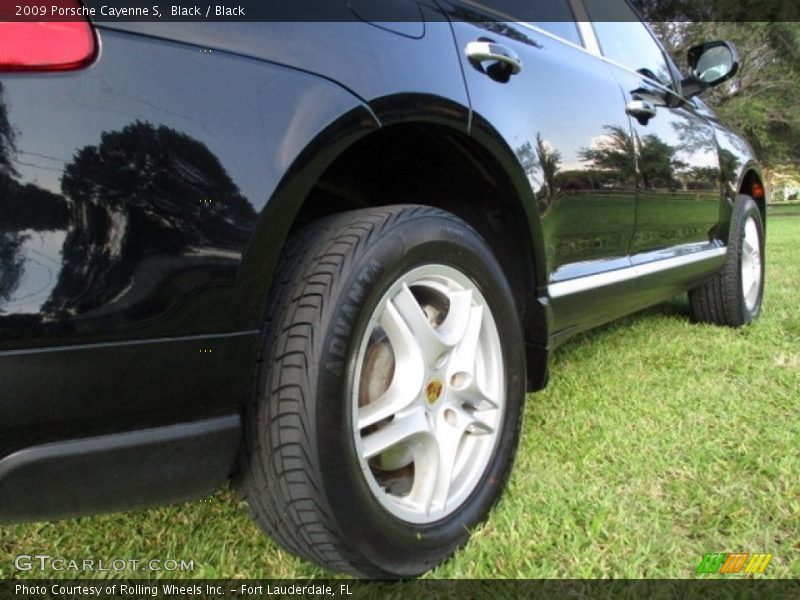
(585, 302)
(119, 471)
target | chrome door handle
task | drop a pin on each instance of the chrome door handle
(641, 109)
(482, 51)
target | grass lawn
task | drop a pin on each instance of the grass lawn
(657, 441)
(783, 210)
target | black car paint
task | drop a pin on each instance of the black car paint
(149, 197)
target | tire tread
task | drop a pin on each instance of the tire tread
(278, 476)
(719, 300)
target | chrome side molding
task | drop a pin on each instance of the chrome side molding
(592, 282)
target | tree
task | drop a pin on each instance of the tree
(542, 160)
(761, 100)
(6, 139)
(657, 163)
(718, 11)
(10, 241)
(549, 161)
(613, 153)
(143, 192)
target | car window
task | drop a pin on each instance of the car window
(554, 16)
(625, 40)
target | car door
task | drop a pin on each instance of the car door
(555, 114)
(679, 190)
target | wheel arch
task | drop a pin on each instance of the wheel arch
(412, 149)
(751, 183)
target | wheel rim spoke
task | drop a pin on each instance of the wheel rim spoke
(402, 429)
(408, 374)
(466, 352)
(453, 424)
(395, 399)
(455, 325)
(428, 341)
(462, 369)
(407, 351)
(448, 443)
(752, 289)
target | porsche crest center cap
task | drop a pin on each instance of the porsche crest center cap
(433, 391)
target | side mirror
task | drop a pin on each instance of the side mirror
(711, 64)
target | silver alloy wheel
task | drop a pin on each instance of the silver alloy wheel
(751, 264)
(428, 395)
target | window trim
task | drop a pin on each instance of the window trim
(585, 27)
(671, 68)
(570, 4)
(671, 89)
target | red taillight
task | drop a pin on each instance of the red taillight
(758, 190)
(55, 45)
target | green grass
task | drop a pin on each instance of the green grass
(783, 210)
(657, 441)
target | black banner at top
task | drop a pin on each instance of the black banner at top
(109, 11)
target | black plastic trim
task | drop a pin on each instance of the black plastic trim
(119, 471)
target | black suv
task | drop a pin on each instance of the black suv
(326, 261)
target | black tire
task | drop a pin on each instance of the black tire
(722, 299)
(300, 472)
